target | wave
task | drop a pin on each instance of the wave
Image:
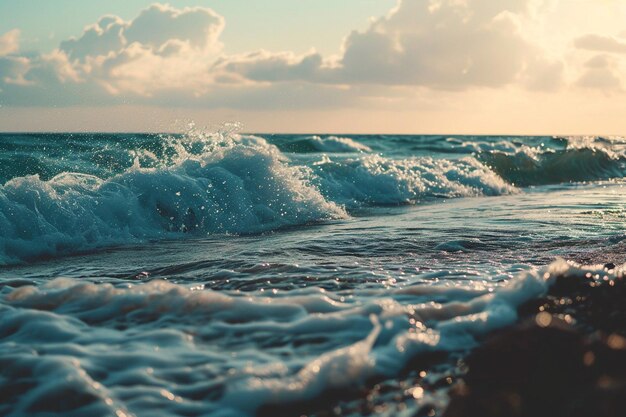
(531, 166)
(330, 144)
(212, 184)
(240, 186)
(200, 183)
(376, 180)
(203, 339)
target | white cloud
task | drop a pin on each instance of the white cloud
(143, 71)
(10, 42)
(265, 66)
(102, 38)
(155, 28)
(593, 42)
(159, 24)
(173, 57)
(443, 44)
(602, 73)
(163, 49)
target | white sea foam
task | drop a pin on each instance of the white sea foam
(165, 349)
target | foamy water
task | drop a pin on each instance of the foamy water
(217, 274)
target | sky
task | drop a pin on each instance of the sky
(350, 66)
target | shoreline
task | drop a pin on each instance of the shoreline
(564, 356)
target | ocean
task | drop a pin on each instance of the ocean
(231, 274)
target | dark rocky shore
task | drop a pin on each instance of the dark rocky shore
(566, 357)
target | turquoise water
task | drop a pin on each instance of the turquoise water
(217, 273)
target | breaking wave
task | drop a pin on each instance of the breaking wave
(242, 187)
(529, 166)
(164, 187)
(331, 144)
(376, 180)
(235, 184)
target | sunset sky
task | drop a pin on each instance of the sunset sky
(349, 66)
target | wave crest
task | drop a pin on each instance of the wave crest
(330, 144)
(529, 166)
(376, 180)
(241, 186)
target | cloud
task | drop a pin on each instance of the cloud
(444, 44)
(10, 42)
(602, 73)
(198, 26)
(600, 43)
(267, 66)
(171, 56)
(156, 28)
(163, 50)
(141, 70)
(45, 80)
(101, 38)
